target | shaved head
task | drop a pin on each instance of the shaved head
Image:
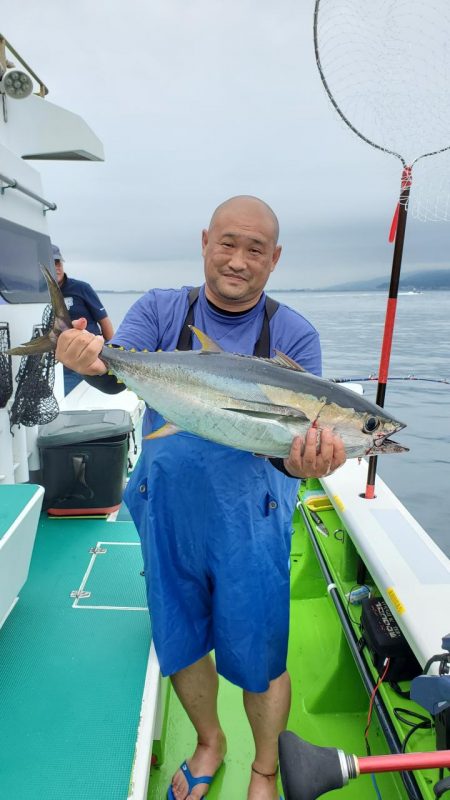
(246, 203)
(240, 251)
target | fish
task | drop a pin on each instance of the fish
(253, 404)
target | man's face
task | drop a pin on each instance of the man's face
(59, 271)
(239, 253)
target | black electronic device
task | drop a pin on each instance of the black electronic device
(384, 639)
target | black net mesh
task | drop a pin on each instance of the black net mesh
(34, 402)
(385, 66)
(6, 384)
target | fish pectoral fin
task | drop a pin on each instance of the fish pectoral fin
(275, 416)
(166, 430)
(286, 361)
(208, 345)
(255, 409)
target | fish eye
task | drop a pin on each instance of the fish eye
(371, 424)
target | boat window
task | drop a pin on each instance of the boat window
(22, 250)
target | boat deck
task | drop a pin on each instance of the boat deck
(72, 670)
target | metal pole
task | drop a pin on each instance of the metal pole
(11, 183)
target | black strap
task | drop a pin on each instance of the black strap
(262, 346)
(185, 338)
(80, 490)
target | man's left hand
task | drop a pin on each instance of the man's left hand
(309, 459)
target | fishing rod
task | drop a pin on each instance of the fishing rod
(309, 771)
(397, 234)
(375, 378)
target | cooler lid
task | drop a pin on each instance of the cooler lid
(70, 427)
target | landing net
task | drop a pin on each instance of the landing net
(34, 402)
(385, 66)
(6, 384)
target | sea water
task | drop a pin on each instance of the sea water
(351, 331)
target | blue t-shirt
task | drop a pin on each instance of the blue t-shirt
(154, 322)
(82, 301)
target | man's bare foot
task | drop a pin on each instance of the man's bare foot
(263, 787)
(205, 761)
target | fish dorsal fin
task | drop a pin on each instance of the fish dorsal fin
(208, 345)
(286, 361)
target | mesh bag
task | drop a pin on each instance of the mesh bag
(34, 402)
(6, 384)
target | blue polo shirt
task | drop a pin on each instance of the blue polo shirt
(82, 301)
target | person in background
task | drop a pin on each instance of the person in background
(82, 302)
(215, 523)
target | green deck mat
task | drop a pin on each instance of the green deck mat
(71, 679)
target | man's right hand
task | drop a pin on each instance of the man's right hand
(78, 349)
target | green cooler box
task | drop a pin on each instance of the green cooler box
(83, 456)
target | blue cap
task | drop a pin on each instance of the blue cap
(57, 253)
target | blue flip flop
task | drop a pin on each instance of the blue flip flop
(191, 781)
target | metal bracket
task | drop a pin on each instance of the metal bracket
(341, 537)
(78, 594)
(11, 185)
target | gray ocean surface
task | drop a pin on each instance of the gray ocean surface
(351, 331)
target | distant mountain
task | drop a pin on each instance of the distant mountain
(422, 280)
(419, 281)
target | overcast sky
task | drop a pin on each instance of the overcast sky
(196, 101)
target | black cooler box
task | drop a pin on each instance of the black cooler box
(83, 456)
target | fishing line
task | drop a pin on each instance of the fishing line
(375, 378)
(385, 67)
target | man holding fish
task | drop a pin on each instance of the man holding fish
(215, 521)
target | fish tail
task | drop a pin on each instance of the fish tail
(62, 321)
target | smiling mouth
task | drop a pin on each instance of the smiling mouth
(235, 278)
